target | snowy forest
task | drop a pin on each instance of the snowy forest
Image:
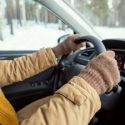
(98, 12)
(102, 12)
(22, 12)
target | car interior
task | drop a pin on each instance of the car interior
(47, 82)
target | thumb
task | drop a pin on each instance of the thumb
(108, 53)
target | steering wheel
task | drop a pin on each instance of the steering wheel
(108, 99)
(99, 46)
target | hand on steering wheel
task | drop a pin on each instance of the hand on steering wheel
(67, 46)
(102, 72)
(98, 72)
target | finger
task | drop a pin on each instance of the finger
(80, 45)
(108, 54)
(83, 44)
(111, 54)
(75, 37)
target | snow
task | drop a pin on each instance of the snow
(110, 32)
(32, 37)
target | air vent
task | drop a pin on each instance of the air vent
(87, 53)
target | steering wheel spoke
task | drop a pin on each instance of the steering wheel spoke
(84, 56)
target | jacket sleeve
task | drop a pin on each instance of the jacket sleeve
(25, 66)
(74, 104)
(7, 113)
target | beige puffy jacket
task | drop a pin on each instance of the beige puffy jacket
(73, 104)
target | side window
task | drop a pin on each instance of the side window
(27, 25)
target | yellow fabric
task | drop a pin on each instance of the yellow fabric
(17, 70)
(7, 114)
(73, 104)
(25, 66)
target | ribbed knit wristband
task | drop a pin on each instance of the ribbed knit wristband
(94, 79)
(102, 72)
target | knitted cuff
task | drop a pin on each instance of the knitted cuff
(93, 78)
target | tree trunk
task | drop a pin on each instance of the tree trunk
(18, 12)
(61, 25)
(72, 2)
(23, 12)
(1, 21)
(10, 15)
(46, 17)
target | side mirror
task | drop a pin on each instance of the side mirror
(62, 38)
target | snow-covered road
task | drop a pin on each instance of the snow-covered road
(107, 32)
(37, 36)
(32, 38)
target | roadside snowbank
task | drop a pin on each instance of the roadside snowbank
(32, 37)
(106, 32)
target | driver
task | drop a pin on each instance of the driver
(73, 104)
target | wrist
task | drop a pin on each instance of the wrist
(57, 52)
(94, 79)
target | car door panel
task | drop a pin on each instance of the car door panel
(31, 89)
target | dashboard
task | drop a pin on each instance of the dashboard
(121, 62)
(116, 45)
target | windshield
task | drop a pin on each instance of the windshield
(107, 17)
(28, 25)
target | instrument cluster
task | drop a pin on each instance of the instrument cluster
(121, 62)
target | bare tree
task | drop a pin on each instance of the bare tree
(100, 9)
(23, 10)
(10, 14)
(62, 26)
(118, 12)
(18, 12)
(45, 16)
(72, 2)
(1, 20)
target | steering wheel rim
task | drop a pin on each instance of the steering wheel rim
(99, 46)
